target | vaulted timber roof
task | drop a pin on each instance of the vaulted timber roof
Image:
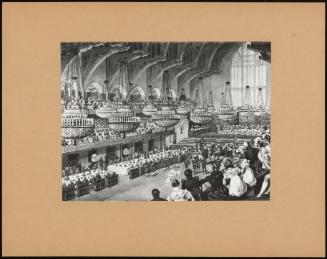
(185, 61)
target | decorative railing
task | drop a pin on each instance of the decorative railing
(77, 122)
(122, 119)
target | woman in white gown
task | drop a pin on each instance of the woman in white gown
(236, 186)
(179, 194)
(248, 175)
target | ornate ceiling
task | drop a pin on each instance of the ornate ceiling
(184, 61)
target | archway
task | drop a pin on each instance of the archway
(69, 89)
(117, 91)
(137, 94)
(94, 90)
(248, 69)
(155, 94)
(173, 94)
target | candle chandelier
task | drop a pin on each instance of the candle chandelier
(166, 117)
(246, 104)
(226, 106)
(106, 110)
(183, 105)
(211, 107)
(261, 104)
(149, 108)
(74, 122)
(123, 119)
(201, 115)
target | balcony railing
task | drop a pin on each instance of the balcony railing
(77, 122)
(111, 142)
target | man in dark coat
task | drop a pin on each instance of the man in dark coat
(191, 184)
(251, 154)
(156, 195)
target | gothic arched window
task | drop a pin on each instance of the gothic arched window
(248, 69)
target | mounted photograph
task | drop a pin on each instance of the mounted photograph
(165, 121)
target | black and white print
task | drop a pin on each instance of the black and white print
(165, 121)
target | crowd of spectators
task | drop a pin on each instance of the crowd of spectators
(197, 127)
(154, 156)
(103, 133)
(230, 172)
(245, 130)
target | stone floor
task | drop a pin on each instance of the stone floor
(139, 189)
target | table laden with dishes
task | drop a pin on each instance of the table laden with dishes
(142, 165)
(80, 184)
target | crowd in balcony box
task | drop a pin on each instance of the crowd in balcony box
(103, 133)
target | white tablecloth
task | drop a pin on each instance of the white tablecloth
(124, 168)
(118, 169)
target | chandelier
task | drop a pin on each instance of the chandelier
(201, 115)
(211, 107)
(106, 111)
(149, 109)
(225, 106)
(122, 119)
(260, 101)
(166, 117)
(74, 122)
(183, 107)
(246, 103)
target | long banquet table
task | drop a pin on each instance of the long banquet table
(137, 167)
(118, 169)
